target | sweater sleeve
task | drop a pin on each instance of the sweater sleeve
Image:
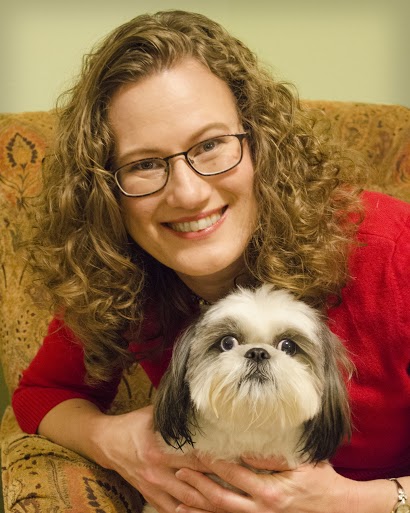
(56, 374)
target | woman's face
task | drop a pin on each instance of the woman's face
(164, 114)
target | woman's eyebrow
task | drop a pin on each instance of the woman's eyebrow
(152, 151)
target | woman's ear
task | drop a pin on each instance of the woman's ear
(331, 426)
(173, 409)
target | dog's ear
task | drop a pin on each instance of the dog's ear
(173, 410)
(325, 432)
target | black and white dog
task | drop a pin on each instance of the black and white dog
(259, 373)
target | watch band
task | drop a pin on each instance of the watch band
(401, 506)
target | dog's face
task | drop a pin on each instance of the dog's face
(257, 359)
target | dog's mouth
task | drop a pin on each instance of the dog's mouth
(257, 373)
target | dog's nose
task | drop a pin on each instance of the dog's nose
(258, 354)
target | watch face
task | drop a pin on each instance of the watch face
(402, 508)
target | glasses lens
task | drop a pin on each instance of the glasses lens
(216, 155)
(142, 177)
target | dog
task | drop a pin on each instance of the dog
(260, 374)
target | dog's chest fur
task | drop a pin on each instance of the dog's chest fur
(231, 442)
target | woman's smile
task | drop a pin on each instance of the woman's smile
(197, 224)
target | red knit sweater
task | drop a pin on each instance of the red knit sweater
(373, 320)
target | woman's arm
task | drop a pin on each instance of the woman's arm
(57, 374)
(127, 444)
(74, 424)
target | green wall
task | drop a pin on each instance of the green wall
(4, 395)
(331, 49)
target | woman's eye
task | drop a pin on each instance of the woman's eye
(227, 343)
(147, 165)
(288, 346)
(207, 146)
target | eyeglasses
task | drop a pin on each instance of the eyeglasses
(207, 158)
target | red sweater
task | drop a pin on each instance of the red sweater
(373, 320)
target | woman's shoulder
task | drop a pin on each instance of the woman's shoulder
(384, 240)
(379, 264)
(384, 217)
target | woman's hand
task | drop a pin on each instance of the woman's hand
(306, 489)
(127, 444)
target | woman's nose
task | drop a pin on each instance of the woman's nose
(185, 188)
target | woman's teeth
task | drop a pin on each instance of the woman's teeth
(196, 226)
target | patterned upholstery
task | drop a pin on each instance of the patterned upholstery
(39, 476)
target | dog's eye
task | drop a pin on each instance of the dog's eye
(227, 343)
(287, 346)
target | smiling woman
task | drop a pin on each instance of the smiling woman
(183, 169)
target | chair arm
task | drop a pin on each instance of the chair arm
(39, 475)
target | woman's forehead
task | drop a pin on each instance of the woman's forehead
(175, 105)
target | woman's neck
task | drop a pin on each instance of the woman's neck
(213, 287)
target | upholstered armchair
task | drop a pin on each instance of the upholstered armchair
(38, 475)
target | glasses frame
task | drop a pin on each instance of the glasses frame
(241, 136)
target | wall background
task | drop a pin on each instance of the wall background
(355, 50)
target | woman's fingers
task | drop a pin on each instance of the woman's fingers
(220, 498)
(179, 459)
(185, 493)
(236, 475)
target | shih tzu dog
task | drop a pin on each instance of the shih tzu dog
(259, 374)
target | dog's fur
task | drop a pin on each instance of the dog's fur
(259, 373)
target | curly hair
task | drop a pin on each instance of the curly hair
(306, 188)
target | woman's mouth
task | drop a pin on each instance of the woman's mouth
(197, 225)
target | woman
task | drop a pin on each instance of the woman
(182, 169)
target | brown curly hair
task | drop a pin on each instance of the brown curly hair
(306, 189)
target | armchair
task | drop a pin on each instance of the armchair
(38, 475)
